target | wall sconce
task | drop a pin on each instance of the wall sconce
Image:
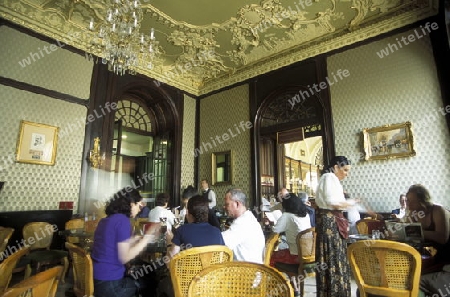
(95, 157)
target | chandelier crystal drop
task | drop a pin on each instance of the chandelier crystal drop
(119, 40)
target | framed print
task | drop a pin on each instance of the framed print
(389, 141)
(36, 143)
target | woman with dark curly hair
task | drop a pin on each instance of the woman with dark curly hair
(294, 219)
(434, 219)
(114, 247)
(198, 232)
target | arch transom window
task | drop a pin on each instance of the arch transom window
(133, 115)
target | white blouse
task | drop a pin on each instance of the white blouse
(292, 225)
(329, 191)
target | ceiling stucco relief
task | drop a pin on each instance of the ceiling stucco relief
(206, 46)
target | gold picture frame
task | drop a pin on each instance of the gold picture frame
(37, 143)
(389, 142)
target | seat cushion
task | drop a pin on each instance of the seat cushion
(288, 268)
(24, 261)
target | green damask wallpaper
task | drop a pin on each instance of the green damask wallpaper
(224, 122)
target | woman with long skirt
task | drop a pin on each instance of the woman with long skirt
(333, 277)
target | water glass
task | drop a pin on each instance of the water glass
(376, 234)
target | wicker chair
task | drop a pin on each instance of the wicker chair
(306, 246)
(138, 224)
(271, 245)
(7, 267)
(5, 235)
(43, 284)
(384, 267)
(73, 225)
(83, 275)
(240, 279)
(365, 226)
(40, 253)
(90, 226)
(186, 264)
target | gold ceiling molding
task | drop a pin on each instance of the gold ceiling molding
(249, 39)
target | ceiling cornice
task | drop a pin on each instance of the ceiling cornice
(259, 37)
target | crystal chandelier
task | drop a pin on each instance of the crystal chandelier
(121, 44)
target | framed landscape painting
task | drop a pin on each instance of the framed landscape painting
(389, 141)
(36, 143)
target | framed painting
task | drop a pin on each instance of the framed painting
(37, 143)
(388, 142)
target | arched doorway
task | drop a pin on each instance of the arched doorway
(146, 134)
(288, 116)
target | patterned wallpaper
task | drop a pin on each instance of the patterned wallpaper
(220, 113)
(187, 157)
(399, 87)
(48, 65)
(31, 186)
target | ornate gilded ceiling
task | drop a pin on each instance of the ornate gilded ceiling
(207, 45)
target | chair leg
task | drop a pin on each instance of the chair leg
(302, 288)
(65, 262)
(27, 271)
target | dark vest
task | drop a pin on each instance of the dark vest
(205, 195)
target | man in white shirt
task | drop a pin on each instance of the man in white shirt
(245, 236)
(400, 212)
(161, 211)
(208, 193)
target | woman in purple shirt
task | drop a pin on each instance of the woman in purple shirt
(114, 245)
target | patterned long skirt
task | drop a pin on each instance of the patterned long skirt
(333, 272)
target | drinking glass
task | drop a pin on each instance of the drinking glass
(375, 234)
(163, 229)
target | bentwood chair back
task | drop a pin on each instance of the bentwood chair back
(43, 284)
(8, 265)
(40, 236)
(186, 264)
(243, 279)
(5, 235)
(365, 226)
(306, 244)
(138, 224)
(90, 226)
(271, 245)
(83, 275)
(74, 224)
(386, 268)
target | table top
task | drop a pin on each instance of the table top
(157, 247)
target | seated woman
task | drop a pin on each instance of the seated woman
(195, 234)
(294, 219)
(114, 247)
(198, 232)
(434, 219)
